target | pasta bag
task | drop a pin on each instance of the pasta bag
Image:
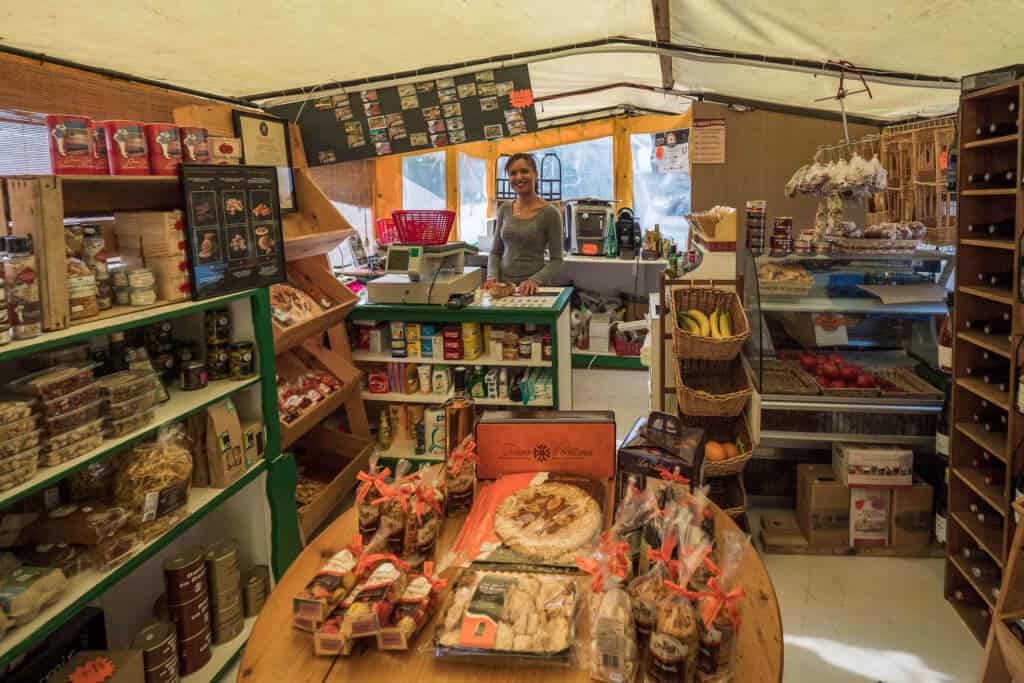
(154, 481)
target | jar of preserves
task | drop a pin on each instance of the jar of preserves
(243, 360)
(22, 283)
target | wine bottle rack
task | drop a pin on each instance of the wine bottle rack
(983, 454)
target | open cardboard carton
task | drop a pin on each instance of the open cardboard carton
(520, 449)
(334, 458)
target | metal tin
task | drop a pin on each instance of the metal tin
(126, 147)
(192, 617)
(159, 645)
(164, 142)
(166, 673)
(185, 576)
(218, 363)
(229, 611)
(194, 653)
(218, 326)
(193, 375)
(226, 580)
(243, 360)
(222, 566)
(254, 593)
(228, 631)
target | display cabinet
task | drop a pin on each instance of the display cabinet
(880, 358)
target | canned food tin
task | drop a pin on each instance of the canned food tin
(195, 145)
(254, 594)
(101, 164)
(230, 610)
(71, 144)
(191, 618)
(185, 576)
(218, 363)
(158, 643)
(193, 375)
(194, 653)
(166, 673)
(243, 360)
(228, 631)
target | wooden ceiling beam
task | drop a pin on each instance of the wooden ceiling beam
(663, 33)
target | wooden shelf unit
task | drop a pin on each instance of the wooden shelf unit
(1003, 659)
(968, 439)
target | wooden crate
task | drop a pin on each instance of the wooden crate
(334, 458)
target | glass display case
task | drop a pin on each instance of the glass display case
(841, 349)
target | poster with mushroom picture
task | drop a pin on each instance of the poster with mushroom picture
(234, 228)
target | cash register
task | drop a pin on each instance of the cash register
(424, 274)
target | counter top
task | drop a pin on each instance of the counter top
(550, 302)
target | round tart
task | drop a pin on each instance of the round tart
(547, 521)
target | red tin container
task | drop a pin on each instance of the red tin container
(164, 144)
(126, 147)
(195, 145)
(71, 144)
(100, 162)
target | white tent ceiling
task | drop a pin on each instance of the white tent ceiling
(240, 48)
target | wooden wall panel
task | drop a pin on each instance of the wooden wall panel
(762, 150)
(32, 86)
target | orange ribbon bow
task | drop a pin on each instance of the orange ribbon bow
(664, 554)
(426, 495)
(591, 567)
(681, 590)
(392, 493)
(715, 599)
(617, 553)
(466, 452)
(436, 585)
(671, 476)
(356, 546)
(371, 481)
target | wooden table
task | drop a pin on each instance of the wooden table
(277, 652)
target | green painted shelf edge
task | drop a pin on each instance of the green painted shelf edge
(52, 340)
(131, 565)
(589, 361)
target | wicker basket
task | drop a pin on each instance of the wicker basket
(712, 388)
(852, 245)
(730, 494)
(908, 384)
(688, 345)
(784, 287)
(787, 377)
(724, 429)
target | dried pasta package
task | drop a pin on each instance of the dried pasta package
(413, 609)
(509, 617)
(331, 583)
(155, 480)
(82, 524)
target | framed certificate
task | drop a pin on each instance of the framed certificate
(265, 143)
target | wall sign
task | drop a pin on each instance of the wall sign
(265, 143)
(416, 116)
(671, 151)
(707, 141)
(234, 228)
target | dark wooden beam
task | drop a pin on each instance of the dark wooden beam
(663, 33)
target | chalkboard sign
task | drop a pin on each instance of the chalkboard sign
(234, 228)
(415, 116)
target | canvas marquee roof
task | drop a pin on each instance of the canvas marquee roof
(238, 49)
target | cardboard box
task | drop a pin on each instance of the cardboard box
(254, 440)
(869, 516)
(658, 440)
(84, 631)
(822, 506)
(781, 530)
(911, 516)
(860, 465)
(569, 442)
(118, 666)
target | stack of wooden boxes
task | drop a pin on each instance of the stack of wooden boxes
(157, 240)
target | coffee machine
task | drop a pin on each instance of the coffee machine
(587, 222)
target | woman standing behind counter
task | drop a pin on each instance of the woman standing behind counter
(524, 229)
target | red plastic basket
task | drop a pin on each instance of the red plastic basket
(626, 348)
(386, 231)
(423, 226)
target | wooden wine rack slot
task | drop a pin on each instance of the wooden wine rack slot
(999, 105)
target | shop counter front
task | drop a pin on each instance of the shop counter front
(277, 652)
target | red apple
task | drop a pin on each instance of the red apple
(830, 370)
(848, 373)
(820, 358)
(805, 355)
(836, 358)
(808, 364)
(838, 384)
(865, 381)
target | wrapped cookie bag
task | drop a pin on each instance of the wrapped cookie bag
(647, 591)
(460, 477)
(412, 610)
(635, 512)
(719, 607)
(394, 507)
(612, 652)
(371, 484)
(426, 515)
(373, 603)
(674, 644)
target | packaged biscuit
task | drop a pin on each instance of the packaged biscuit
(460, 477)
(328, 587)
(372, 606)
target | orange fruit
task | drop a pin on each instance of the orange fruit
(730, 451)
(714, 451)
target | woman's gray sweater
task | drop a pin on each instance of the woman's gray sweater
(517, 253)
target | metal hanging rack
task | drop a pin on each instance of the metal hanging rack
(842, 93)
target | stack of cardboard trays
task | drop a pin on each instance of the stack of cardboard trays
(157, 240)
(867, 497)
